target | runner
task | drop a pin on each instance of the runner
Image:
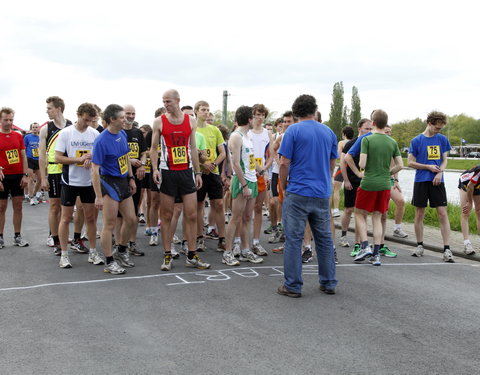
(469, 190)
(347, 135)
(73, 149)
(13, 175)
(176, 132)
(34, 180)
(113, 182)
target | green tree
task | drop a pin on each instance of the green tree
(356, 112)
(337, 111)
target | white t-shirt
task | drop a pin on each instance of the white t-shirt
(73, 143)
(260, 142)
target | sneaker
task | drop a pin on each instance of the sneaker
(307, 254)
(269, 230)
(266, 213)
(278, 250)
(418, 252)
(2, 243)
(236, 249)
(176, 240)
(448, 256)
(280, 227)
(284, 291)
(326, 290)
(336, 212)
(399, 233)
(221, 245)
(335, 255)
(79, 247)
(212, 234)
(356, 250)
(65, 262)
(42, 198)
(114, 268)
(197, 263)
(167, 262)
(363, 254)
(468, 249)
(184, 248)
(153, 239)
(148, 232)
(282, 237)
(375, 260)
(229, 259)
(20, 241)
(57, 251)
(123, 259)
(344, 242)
(259, 250)
(173, 250)
(201, 247)
(50, 242)
(33, 201)
(387, 252)
(249, 257)
(141, 219)
(94, 258)
(132, 249)
(276, 237)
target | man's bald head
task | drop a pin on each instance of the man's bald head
(129, 113)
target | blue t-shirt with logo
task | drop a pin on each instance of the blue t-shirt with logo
(110, 151)
(428, 150)
(357, 146)
(31, 146)
(310, 146)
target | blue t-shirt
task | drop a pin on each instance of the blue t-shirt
(357, 146)
(310, 146)
(31, 146)
(428, 150)
(110, 151)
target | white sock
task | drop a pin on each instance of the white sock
(397, 227)
(245, 251)
(94, 250)
(64, 253)
(256, 241)
(236, 240)
(39, 194)
(210, 228)
(466, 242)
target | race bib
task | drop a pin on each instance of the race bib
(159, 147)
(79, 154)
(35, 152)
(134, 150)
(259, 161)
(148, 165)
(179, 154)
(211, 154)
(12, 156)
(123, 164)
(251, 159)
(433, 152)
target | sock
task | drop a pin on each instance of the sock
(309, 246)
(76, 236)
(446, 247)
(191, 254)
(39, 194)
(357, 244)
(221, 239)
(344, 233)
(466, 242)
(56, 240)
(274, 227)
(382, 245)
(420, 243)
(210, 228)
(245, 251)
(236, 240)
(375, 249)
(93, 250)
(184, 242)
(64, 253)
(17, 234)
(364, 244)
(122, 248)
(199, 237)
(256, 241)
(109, 259)
(1, 235)
(397, 226)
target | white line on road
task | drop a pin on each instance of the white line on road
(210, 277)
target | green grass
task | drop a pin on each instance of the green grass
(454, 213)
(460, 164)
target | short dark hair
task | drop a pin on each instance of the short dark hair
(186, 107)
(260, 108)
(304, 106)
(7, 111)
(57, 102)
(348, 132)
(318, 116)
(436, 117)
(362, 121)
(160, 111)
(224, 130)
(243, 114)
(380, 118)
(111, 112)
(87, 108)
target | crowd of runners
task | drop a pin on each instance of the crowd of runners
(153, 175)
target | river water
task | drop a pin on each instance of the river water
(406, 178)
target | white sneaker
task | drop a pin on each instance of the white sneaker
(175, 253)
(50, 242)
(65, 262)
(236, 249)
(33, 201)
(250, 257)
(19, 241)
(176, 240)
(336, 212)
(468, 249)
(229, 259)
(259, 250)
(94, 258)
(153, 240)
(344, 242)
(399, 233)
(418, 252)
(448, 256)
(114, 268)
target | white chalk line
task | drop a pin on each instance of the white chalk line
(178, 274)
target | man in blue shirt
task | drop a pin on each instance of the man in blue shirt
(308, 155)
(428, 155)
(31, 141)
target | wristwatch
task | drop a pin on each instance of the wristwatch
(25, 174)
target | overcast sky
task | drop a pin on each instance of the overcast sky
(407, 57)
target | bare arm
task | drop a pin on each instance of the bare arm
(283, 172)
(42, 157)
(351, 164)
(157, 131)
(194, 153)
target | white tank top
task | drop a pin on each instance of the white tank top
(247, 159)
(260, 142)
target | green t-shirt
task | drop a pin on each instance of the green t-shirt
(380, 149)
(213, 139)
(200, 141)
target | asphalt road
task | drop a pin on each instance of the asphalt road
(409, 316)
